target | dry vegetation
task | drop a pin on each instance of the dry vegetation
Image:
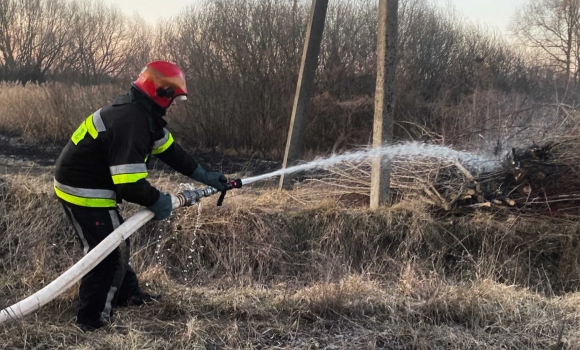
(459, 261)
(311, 268)
(459, 82)
(49, 113)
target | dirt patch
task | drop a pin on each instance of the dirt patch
(227, 164)
(17, 155)
(14, 151)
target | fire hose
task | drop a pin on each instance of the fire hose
(95, 256)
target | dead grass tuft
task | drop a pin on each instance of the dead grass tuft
(49, 113)
(266, 271)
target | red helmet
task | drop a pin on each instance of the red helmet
(162, 82)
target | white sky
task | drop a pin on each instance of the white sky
(151, 10)
(494, 13)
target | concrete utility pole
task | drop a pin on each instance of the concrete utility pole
(304, 87)
(384, 98)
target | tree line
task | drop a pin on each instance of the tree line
(242, 58)
(71, 41)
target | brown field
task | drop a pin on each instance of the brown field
(458, 260)
(307, 269)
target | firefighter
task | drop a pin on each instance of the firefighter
(105, 162)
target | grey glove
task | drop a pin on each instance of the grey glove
(163, 207)
(211, 178)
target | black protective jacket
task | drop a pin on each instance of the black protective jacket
(105, 160)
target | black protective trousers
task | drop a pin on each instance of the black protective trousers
(112, 282)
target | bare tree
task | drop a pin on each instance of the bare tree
(52, 36)
(241, 58)
(33, 35)
(106, 44)
(552, 27)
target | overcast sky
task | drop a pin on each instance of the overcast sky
(496, 13)
(151, 10)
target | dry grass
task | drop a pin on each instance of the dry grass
(49, 113)
(274, 271)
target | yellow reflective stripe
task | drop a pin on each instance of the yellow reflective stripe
(86, 126)
(79, 134)
(128, 178)
(163, 147)
(91, 127)
(85, 202)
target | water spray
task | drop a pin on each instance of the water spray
(186, 198)
(408, 151)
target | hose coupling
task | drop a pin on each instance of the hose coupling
(190, 197)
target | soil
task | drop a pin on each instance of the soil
(14, 151)
(17, 155)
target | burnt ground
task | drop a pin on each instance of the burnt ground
(227, 164)
(17, 155)
(14, 151)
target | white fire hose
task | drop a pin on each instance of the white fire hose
(95, 256)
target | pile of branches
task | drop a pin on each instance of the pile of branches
(540, 178)
(536, 179)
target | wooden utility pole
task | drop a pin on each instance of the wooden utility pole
(304, 87)
(384, 98)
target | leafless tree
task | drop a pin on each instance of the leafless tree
(33, 35)
(105, 43)
(552, 27)
(241, 58)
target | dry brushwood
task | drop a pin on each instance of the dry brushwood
(539, 179)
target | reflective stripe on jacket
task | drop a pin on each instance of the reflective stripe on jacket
(105, 160)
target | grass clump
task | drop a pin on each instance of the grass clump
(266, 271)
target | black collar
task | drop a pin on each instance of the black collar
(154, 113)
